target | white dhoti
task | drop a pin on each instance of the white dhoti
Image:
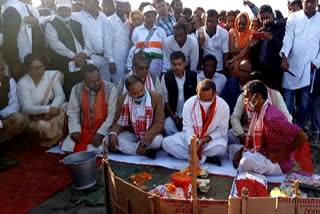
(234, 144)
(257, 163)
(176, 146)
(68, 146)
(128, 143)
(103, 66)
(170, 127)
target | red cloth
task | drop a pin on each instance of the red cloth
(256, 189)
(39, 176)
(206, 123)
(303, 157)
(89, 128)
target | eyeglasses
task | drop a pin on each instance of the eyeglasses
(37, 68)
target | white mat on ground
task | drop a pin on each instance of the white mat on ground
(164, 160)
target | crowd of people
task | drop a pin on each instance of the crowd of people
(77, 72)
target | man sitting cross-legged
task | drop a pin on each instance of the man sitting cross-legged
(91, 111)
(272, 142)
(139, 121)
(178, 85)
(207, 116)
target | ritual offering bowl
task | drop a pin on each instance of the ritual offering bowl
(181, 179)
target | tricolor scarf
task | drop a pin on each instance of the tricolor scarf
(254, 136)
(148, 83)
(142, 124)
(100, 111)
(201, 123)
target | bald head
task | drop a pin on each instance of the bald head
(245, 69)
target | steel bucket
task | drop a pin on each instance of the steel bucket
(82, 166)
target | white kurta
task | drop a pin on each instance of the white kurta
(93, 31)
(116, 44)
(301, 46)
(178, 144)
(190, 50)
(13, 105)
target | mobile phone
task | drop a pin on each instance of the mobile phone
(258, 35)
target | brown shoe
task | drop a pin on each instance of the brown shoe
(7, 164)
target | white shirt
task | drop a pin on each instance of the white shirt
(117, 40)
(57, 46)
(92, 30)
(190, 50)
(180, 101)
(13, 105)
(301, 46)
(217, 45)
(155, 44)
(30, 96)
(219, 79)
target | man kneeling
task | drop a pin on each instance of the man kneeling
(140, 121)
(272, 141)
(91, 111)
(207, 116)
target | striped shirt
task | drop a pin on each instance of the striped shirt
(166, 24)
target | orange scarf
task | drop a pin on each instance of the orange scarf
(241, 38)
(100, 111)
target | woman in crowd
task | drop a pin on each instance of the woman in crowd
(196, 23)
(41, 98)
(135, 19)
(239, 42)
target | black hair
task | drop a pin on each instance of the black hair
(212, 13)
(265, 9)
(295, 2)
(199, 8)
(230, 13)
(210, 58)
(222, 13)
(180, 26)
(173, 2)
(143, 4)
(137, 58)
(278, 14)
(206, 85)
(108, 2)
(131, 80)
(177, 55)
(186, 10)
(28, 59)
(89, 68)
(256, 86)
(158, 1)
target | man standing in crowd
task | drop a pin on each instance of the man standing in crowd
(77, 6)
(108, 7)
(139, 121)
(117, 41)
(22, 35)
(209, 72)
(148, 39)
(207, 116)
(178, 85)
(140, 68)
(177, 7)
(300, 55)
(165, 20)
(272, 139)
(91, 112)
(11, 121)
(183, 42)
(265, 52)
(214, 40)
(93, 28)
(47, 8)
(67, 44)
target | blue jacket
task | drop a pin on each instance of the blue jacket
(231, 92)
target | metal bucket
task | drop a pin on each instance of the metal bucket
(82, 166)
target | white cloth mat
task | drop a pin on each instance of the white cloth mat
(164, 160)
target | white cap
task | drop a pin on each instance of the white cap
(122, 1)
(149, 8)
(63, 3)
